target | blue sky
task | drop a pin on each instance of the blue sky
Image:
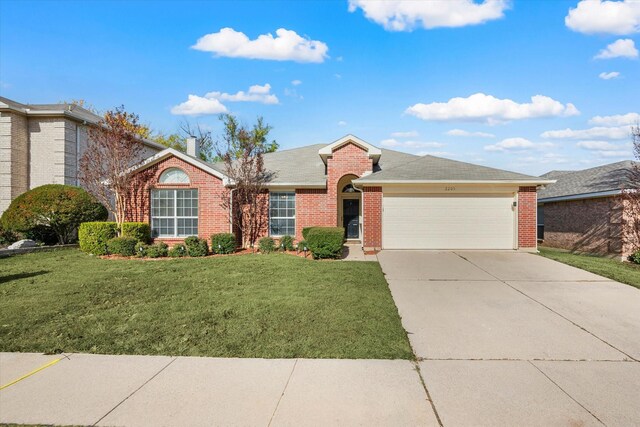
(388, 74)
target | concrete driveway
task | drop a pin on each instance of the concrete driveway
(508, 338)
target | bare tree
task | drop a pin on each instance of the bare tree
(242, 151)
(203, 138)
(631, 198)
(106, 166)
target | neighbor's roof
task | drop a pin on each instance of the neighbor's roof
(303, 167)
(599, 181)
(430, 169)
(71, 111)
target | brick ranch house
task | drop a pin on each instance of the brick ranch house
(582, 210)
(383, 198)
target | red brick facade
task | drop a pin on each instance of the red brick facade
(314, 207)
(212, 218)
(590, 225)
(372, 218)
(527, 215)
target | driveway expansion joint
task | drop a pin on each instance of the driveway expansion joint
(273, 415)
(416, 366)
(565, 392)
(550, 309)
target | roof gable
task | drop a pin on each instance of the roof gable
(373, 152)
(169, 152)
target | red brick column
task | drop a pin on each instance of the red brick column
(372, 218)
(527, 211)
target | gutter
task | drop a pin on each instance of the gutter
(595, 195)
(443, 181)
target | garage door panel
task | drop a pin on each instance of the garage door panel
(448, 222)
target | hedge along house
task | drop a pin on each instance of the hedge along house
(384, 199)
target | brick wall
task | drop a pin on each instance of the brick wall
(212, 218)
(312, 210)
(372, 218)
(527, 214)
(349, 159)
(590, 225)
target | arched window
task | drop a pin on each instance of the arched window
(174, 176)
(348, 189)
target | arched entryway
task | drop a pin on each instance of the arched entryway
(349, 208)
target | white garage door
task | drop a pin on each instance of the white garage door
(413, 221)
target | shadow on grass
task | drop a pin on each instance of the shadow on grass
(11, 277)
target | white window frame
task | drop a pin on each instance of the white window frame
(272, 196)
(175, 216)
(165, 179)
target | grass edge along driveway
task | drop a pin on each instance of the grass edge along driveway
(265, 306)
(623, 272)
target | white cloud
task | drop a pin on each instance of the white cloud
(399, 15)
(489, 109)
(392, 142)
(337, 76)
(256, 93)
(296, 82)
(410, 134)
(597, 145)
(342, 123)
(619, 132)
(616, 120)
(460, 132)
(197, 105)
(609, 76)
(608, 17)
(516, 144)
(622, 48)
(620, 154)
(286, 46)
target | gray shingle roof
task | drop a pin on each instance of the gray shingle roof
(611, 177)
(304, 166)
(430, 168)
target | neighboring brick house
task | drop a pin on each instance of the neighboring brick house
(383, 198)
(583, 212)
(42, 144)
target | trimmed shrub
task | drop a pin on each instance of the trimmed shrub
(635, 257)
(196, 247)
(325, 242)
(141, 231)
(93, 236)
(141, 249)
(223, 243)
(302, 244)
(52, 212)
(125, 246)
(178, 251)
(266, 245)
(305, 232)
(157, 250)
(7, 237)
(286, 243)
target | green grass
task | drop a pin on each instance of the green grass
(623, 272)
(269, 306)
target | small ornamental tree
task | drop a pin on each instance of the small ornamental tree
(106, 166)
(631, 198)
(241, 149)
(58, 209)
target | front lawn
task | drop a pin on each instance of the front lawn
(623, 272)
(267, 306)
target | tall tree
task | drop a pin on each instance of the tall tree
(242, 150)
(106, 165)
(631, 197)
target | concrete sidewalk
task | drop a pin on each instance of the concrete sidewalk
(83, 389)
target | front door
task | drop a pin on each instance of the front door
(351, 218)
